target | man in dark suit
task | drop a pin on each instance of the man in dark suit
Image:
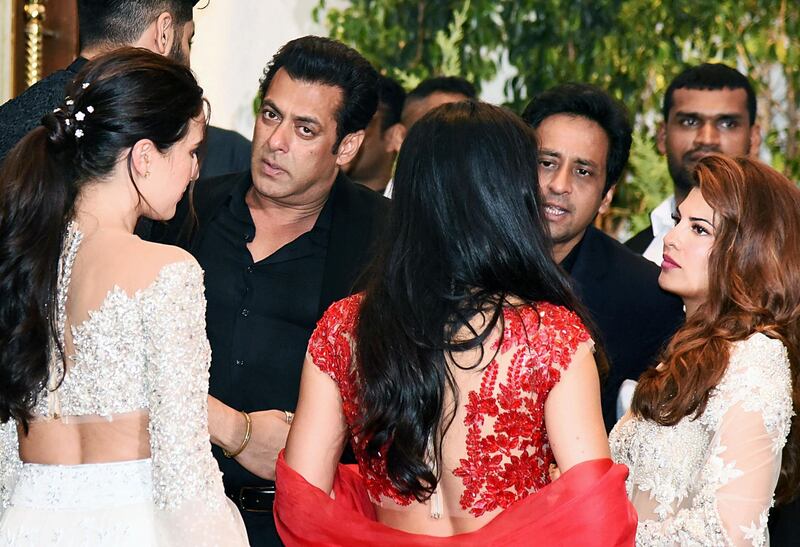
(584, 141)
(165, 27)
(709, 108)
(279, 243)
(374, 164)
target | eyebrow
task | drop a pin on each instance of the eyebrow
(304, 119)
(701, 219)
(579, 161)
(724, 115)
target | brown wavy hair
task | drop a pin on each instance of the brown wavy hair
(754, 286)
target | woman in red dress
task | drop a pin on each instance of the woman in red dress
(462, 372)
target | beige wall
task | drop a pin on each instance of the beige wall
(234, 39)
(6, 50)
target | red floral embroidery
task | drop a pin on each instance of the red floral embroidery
(507, 450)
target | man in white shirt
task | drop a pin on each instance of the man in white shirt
(710, 108)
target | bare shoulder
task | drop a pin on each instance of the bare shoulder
(161, 255)
(124, 260)
(149, 260)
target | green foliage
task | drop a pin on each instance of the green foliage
(632, 48)
(653, 184)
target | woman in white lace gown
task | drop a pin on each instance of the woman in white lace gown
(103, 353)
(710, 440)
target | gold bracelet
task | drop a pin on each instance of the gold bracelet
(289, 417)
(246, 439)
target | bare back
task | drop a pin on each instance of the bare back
(505, 431)
(104, 274)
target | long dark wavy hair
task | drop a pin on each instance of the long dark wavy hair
(465, 237)
(115, 101)
(754, 286)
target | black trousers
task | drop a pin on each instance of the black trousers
(784, 525)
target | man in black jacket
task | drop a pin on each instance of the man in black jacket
(165, 27)
(279, 243)
(584, 138)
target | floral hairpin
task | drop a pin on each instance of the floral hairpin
(78, 116)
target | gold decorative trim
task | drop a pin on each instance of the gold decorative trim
(6, 50)
(35, 12)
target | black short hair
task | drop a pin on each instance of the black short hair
(122, 22)
(321, 60)
(443, 84)
(711, 77)
(391, 97)
(590, 102)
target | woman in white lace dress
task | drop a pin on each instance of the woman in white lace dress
(103, 353)
(710, 440)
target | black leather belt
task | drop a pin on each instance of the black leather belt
(254, 499)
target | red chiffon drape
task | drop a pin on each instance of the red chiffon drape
(586, 506)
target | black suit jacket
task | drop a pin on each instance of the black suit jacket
(641, 241)
(23, 113)
(634, 316)
(224, 151)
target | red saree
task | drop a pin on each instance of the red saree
(587, 506)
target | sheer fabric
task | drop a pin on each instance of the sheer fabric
(710, 481)
(496, 451)
(142, 353)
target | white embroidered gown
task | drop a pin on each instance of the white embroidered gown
(710, 481)
(145, 353)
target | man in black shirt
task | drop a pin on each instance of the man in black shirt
(584, 138)
(279, 243)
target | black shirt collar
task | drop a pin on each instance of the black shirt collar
(77, 65)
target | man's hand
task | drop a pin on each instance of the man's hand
(267, 438)
(269, 429)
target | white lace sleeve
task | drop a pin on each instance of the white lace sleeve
(10, 463)
(186, 479)
(750, 416)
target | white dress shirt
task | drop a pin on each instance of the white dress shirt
(661, 220)
(389, 188)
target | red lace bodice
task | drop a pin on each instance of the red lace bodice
(507, 454)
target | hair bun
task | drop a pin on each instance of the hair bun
(58, 128)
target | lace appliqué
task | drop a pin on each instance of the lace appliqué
(72, 240)
(510, 461)
(331, 348)
(10, 464)
(683, 467)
